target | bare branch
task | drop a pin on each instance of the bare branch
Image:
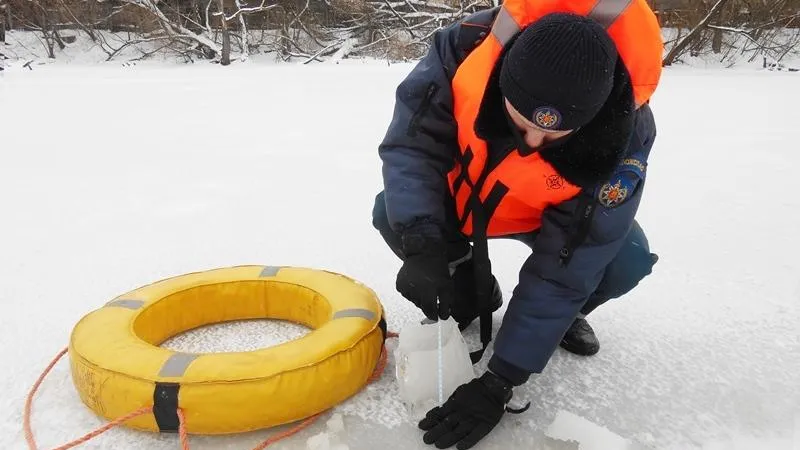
(333, 46)
(77, 21)
(394, 11)
(173, 29)
(135, 42)
(241, 10)
(670, 58)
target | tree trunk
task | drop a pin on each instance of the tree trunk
(243, 26)
(716, 39)
(226, 35)
(716, 42)
(2, 31)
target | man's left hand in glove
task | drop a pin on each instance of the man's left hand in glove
(473, 411)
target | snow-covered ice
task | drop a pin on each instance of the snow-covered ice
(113, 177)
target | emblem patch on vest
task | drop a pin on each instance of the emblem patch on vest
(555, 182)
(546, 117)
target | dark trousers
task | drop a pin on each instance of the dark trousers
(633, 262)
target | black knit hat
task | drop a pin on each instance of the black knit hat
(559, 71)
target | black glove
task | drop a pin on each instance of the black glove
(473, 410)
(425, 277)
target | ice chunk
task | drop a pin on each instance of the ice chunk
(417, 364)
(335, 424)
(333, 439)
(319, 441)
(572, 429)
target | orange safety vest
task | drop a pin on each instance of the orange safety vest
(516, 192)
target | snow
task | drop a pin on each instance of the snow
(117, 176)
(236, 336)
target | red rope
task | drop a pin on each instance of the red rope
(26, 418)
(182, 432)
(375, 376)
(290, 432)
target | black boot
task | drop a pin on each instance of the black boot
(465, 310)
(580, 339)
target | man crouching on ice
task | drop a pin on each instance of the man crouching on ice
(545, 114)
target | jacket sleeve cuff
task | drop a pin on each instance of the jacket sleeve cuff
(510, 372)
(424, 228)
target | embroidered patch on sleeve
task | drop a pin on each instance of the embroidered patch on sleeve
(634, 164)
(623, 183)
(614, 192)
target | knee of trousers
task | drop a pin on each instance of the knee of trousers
(380, 220)
(632, 264)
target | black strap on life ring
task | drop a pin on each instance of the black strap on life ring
(165, 407)
(165, 397)
(384, 328)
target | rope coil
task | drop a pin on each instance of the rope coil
(182, 432)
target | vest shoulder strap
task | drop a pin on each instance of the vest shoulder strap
(473, 29)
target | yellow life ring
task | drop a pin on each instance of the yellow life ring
(118, 367)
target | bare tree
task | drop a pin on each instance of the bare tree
(689, 38)
(222, 30)
(733, 31)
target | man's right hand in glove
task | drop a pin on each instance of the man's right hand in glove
(425, 277)
(471, 413)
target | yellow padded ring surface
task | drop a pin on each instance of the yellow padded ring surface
(118, 366)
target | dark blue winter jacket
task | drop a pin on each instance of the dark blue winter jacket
(420, 148)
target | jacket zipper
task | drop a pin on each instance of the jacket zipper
(413, 125)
